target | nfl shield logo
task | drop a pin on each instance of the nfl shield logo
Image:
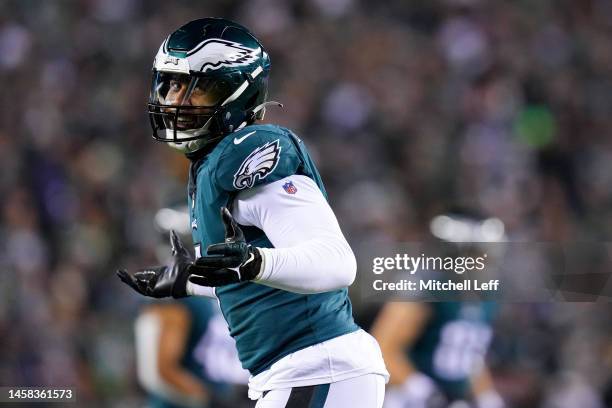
(290, 188)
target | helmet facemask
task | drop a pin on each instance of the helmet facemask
(184, 109)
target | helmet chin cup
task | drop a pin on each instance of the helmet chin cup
(188, 147)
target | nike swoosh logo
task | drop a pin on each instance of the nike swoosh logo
(238, 140)
(249, 260)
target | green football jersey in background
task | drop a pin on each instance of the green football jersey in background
(453, 344)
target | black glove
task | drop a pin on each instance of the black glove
(229, 262)
(163, 281)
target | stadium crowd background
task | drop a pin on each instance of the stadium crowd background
(505, 107)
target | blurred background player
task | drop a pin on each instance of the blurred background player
(175, 341)
(435, 352)
(185, 356)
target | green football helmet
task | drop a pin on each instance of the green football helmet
(210, 78)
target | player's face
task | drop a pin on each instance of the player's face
(197, 97)
(179, 94)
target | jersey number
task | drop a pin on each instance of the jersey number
(461, 350)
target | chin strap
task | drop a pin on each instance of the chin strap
(263, 105)
(253, 114)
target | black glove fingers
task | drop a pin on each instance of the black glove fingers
(174, 242)
(145, 276)
(125, 277)
(228, 222)
(128, 280)
(224, 276)
(177, 245)
(228, 249)
(233, 232)
(216, 277)
(198, 280)
(217, 249)
(208, 263)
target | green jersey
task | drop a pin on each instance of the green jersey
(267, 323)
(453, 345)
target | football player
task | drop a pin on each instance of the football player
(267, 244)
(435, 352)
(185, 356)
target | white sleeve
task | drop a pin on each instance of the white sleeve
(310, 254)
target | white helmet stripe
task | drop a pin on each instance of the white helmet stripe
(236, 93)
(256, 72)
(242, 87)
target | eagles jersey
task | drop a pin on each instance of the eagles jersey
(453, 345)
(267, 323)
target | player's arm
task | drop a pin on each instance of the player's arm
(159, 368)
(396, 328)
(310, 254)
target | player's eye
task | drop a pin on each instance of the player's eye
(175, 85)
(198, 91)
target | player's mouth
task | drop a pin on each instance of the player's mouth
(185, 123)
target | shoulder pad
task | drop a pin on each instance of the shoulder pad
(255, 155)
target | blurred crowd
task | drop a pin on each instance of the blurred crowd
(407, 107)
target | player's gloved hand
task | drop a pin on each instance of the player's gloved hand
(229, 262)
(163, 281)
(419, 391)
(489, 399)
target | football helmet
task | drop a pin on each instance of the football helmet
(209, 79)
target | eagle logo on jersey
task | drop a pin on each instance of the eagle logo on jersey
(216, 53)
(261, 162)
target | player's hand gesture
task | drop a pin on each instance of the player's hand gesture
(163, 281)
(229, 262)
